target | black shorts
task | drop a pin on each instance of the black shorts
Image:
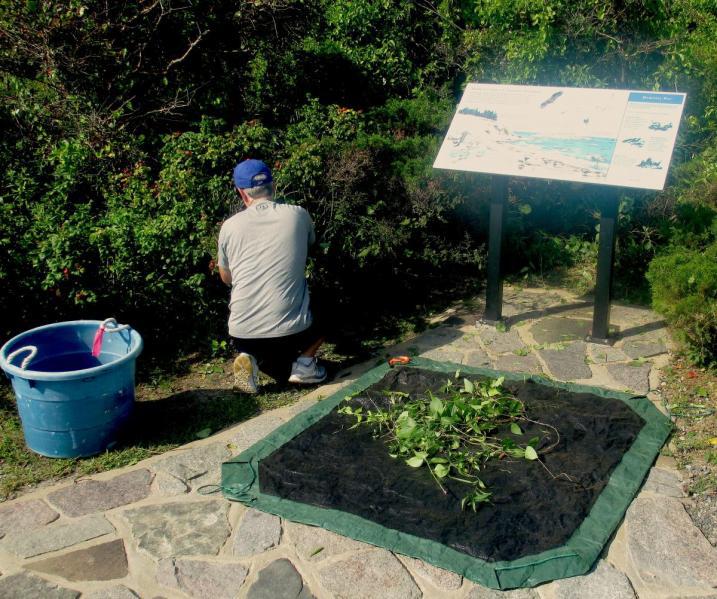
(275, 355)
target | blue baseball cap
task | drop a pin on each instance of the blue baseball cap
(251, 173)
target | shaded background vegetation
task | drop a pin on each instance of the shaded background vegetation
(122, 121)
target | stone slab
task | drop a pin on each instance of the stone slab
(315, 544)
(567, 364)
(367, 575)
(479, 592)
(257, 532)
(557, 329)
(604, 582)
(497, 342)
(57, 536)
(467, 342)
(514, 363)
(25, 516)
(477, 357)
(179, 528)
(202, 578)
(195, 466)
(663, 482)
(27, 586)
(602, 354)
(443, 579)
(435, 338)
(169, 485)
(666, 549)
(92, 496)
(254, 430)
(117, 592)
(444, 354)
(279, 580)
(106, 561)
(632, 376)
(645, 346)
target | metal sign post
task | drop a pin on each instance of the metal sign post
(494, 289)
(606, 258)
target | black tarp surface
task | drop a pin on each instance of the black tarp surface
(533, 508)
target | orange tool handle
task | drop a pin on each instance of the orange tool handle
(399, 360)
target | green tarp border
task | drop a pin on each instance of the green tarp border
(240, 482)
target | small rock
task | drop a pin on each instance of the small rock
(257, 532)
(316, 544)
(100, 562)
(665, 547)
(604, 582)
(443, 579)
(25, 516)
(200, 578)
(279, 580)
(57, 536)
(118, 592)
(91, 496)
(631, 376)
(367, 575)
(180, 528)
(27, 586)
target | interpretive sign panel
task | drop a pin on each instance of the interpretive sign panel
(602, 136)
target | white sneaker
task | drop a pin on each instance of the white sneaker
(307, 371)
(246, 373)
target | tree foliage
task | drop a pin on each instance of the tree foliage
(121, 123)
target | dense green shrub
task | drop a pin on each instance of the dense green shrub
(121, 123)
(684, 286)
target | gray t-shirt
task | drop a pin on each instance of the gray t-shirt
(265, 247)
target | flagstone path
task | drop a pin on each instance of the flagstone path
(146, 532)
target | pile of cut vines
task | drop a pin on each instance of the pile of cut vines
(451, 435)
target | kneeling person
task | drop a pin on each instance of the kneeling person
(262, 256)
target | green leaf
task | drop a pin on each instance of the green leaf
(203, 434)
(414, 462)
(468, 386)
(441, 470)
(436, 406)
(530, 453)
(515, 429)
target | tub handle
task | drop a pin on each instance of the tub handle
(116, 328)
(28, 348)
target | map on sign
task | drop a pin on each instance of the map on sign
(602, 136)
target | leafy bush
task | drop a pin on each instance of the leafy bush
(684, 288)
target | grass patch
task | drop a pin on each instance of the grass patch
(691, 396)
(171, 410)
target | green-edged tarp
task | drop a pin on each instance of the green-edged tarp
(240, 482)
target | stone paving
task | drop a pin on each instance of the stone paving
(146, 532)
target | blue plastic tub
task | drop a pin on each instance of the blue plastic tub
(72, 404)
